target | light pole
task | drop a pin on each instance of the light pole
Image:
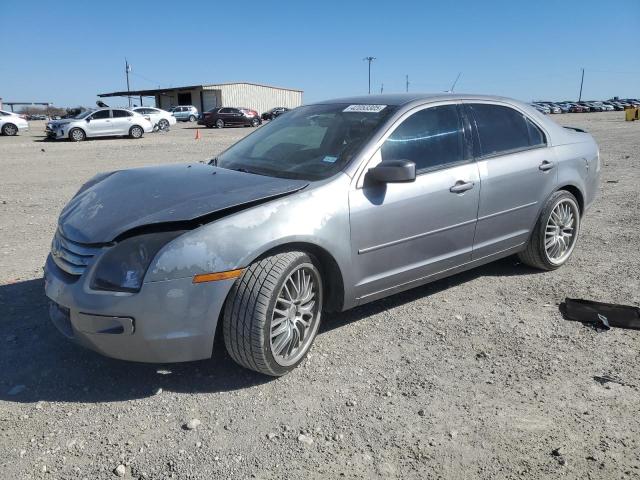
(369, 59)
(127, 69)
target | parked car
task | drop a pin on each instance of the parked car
(157, 116)
(334, 205)
(603, 106)
(580, 108)
(11, 123)
(541, 108)
(103, 122)
(588, 107)
(274, 112)
(185, 113)
(229, 117)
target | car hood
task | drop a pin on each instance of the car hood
(59, 123)
(115, 203)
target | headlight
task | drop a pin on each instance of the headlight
(123, 267)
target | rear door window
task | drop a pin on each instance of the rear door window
(121, 114)
(536, 136)
(501, 129)
(431, 138)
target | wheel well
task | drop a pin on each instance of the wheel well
(575, 191)
(332, 280)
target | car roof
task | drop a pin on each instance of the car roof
(401, 99)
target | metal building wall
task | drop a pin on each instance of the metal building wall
(258, 97)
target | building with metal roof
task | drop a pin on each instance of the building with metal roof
(205, 97)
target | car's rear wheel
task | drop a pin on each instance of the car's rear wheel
(219, 123)
(272, 314)
(77, 135)
(9, 129)
(192, 118)
(163, 124)
(136, 132)
(555, 234)
(255, 122)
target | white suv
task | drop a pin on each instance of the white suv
(104, 122)
(11, 123)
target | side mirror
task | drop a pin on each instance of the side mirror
(393, 171)
(88, 120)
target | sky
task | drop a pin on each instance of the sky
(67, 51)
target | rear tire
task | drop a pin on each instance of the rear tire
(255, 122)
(9, 129)
(163, 124)
(555, 234)
(136, 132)
(77, 135)
(272, 314)
(219, 123)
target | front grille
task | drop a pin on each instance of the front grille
(71, 257)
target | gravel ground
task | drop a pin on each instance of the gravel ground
(475, 376)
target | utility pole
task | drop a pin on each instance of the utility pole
(406, 78)
(381, 88)
(127, 69)
(581, 82)
(369, 59)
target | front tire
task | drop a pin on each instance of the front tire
(192, 118)
(219, 123)
(255, 122)
(163, 124)
(555, 234)
(136, 132)
(77, 135)
(272, 314)
(9, 129)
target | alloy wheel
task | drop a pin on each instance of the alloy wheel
(296, 316)
(561, 231)
(10, 129)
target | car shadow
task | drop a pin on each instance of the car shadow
(38, 364)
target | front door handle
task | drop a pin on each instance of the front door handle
(461, 186)
(545, 166)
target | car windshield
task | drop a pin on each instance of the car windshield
(311, 142)
(82, 114)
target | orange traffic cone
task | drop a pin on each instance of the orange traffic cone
(197, 134)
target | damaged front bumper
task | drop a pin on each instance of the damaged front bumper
(166, 321)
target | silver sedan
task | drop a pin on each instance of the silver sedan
(104, 122)
(333, 205)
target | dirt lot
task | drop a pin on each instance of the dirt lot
(476, 376)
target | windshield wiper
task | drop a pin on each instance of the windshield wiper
(245, 170)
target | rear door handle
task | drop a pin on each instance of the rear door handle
(461, 186)
(545, 166)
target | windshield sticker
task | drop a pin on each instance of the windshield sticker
(365, 108)
(330, 159)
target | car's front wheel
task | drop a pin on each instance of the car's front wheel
(555, 234)
(273, 311)
(9, 129)
(255, 122)
(219, 123)
(192, 118)
(77, 135)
